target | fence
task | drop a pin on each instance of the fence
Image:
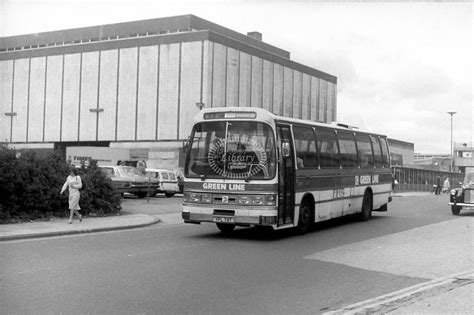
(412, 179)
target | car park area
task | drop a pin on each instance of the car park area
(128, 179)
(166, 179)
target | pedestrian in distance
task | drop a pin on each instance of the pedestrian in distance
(438, 185)
(446, 185)
(73, 183)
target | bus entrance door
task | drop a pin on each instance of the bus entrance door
(286, 181)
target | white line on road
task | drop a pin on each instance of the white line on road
(394, 300)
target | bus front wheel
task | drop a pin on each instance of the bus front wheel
(225, 228)
(366, 212)
(304, 220)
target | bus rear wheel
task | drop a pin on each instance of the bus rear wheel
(366, 212)
(225, 228)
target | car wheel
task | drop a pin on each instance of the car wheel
(366, 212)
(225, 228)
(141, 194)
(456, 209)
(169, 195)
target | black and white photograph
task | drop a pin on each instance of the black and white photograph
(236, 157)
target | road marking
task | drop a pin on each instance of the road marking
(389, 302)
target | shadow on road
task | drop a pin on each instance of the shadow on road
(268, 234)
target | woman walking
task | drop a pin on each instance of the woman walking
(73, 183)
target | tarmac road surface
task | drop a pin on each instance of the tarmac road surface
(415, 258)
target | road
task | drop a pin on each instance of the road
(180, 269)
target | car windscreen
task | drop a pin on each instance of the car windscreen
(231, 150)
(469, 179)
(151, 174)
(129, 171)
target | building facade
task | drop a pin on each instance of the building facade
(464, 157)
(137, 86)
(401, 152)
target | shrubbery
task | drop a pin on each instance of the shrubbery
(97, 194)
(30, 184)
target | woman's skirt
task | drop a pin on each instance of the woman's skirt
(74, 197)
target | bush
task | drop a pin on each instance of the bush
(30, 184)
(97, 194)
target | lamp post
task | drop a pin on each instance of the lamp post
(200, 105)
(451, 152)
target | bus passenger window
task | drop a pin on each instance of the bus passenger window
(347, 147)
(385, 155)
(377, 151)
(327, 148)
(305, 146)
(364, 146)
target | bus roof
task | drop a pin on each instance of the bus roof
(224, 113)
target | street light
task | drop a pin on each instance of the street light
(451, 152)
(200, 105)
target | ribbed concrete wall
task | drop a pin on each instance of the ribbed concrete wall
(147, 93)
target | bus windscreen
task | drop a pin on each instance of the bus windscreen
(231, 150)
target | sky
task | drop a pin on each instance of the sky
(401, 65)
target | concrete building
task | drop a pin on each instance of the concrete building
(464, 157)
(429, 156)
(135, 87)
(401, 152)
(461, 162)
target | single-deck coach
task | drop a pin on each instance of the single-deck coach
(249, 167)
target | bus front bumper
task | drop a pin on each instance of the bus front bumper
(244, 217)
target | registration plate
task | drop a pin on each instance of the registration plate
(218, 219)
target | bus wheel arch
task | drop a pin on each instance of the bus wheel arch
(306, 214)
(367, 205)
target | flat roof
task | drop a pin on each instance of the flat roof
(400, 142)
(177, 29)
(164, 25)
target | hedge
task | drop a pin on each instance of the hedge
(30, 183)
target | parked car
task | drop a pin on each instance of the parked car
(463, 197)
(168, 181)
(128, 179)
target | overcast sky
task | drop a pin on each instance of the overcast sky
(401, 66)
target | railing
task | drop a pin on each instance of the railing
(412, 179)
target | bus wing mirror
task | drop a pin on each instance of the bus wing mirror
(285, 149)
(186, 144)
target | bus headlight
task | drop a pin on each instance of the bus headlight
(192, 197)
(454, 192)
(257, 200)
(197, 197)
(244, 200)
(206, 198)
(270, 200)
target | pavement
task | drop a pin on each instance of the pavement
(447, 290)
(61, 227)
